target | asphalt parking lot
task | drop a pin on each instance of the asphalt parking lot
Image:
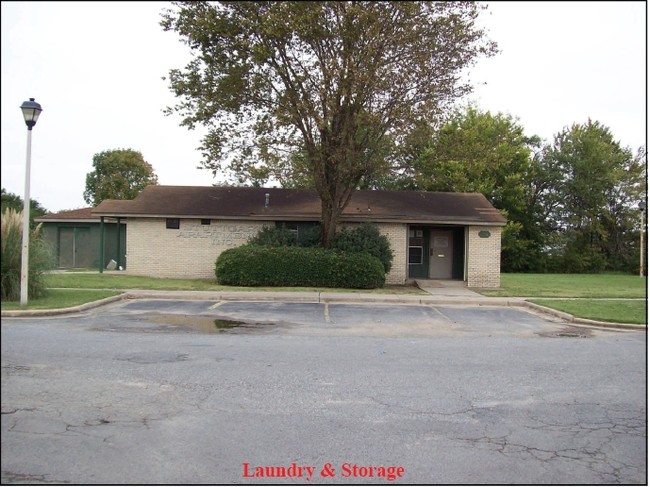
(193, 392)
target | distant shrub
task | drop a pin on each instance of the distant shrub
(253, 265)
(39, 258)
(365, 238)
(274, 237)
(281, 236)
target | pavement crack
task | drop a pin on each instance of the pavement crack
(26, 478)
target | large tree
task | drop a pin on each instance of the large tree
(119, 174)
(593, 204)
(328, 81)
(15, 202)
(486, 153)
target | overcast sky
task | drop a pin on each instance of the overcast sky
(96, 69)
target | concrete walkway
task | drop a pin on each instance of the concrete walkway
(446, 288)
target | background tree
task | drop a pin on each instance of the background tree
(328, 80)
(479, 152)
(15, 202)
(599, 188)
(118, 174)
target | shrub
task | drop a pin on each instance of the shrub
(281, 236)
(252, 265)
(39, 258)
(273, 237)
(365, 238)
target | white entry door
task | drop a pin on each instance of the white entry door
(441, 256)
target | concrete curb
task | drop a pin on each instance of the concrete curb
(583, 321)
(324, 297)
(61, 311)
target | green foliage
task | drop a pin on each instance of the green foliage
(281, 236)
(572, 206)
(365, 238)
(119, 174)
(480, 152)
(308, 91)
(593, 203)
(251, 265)
(518, 253)
(40, 258)
(360, 238)
(273, 237)
(15, 202)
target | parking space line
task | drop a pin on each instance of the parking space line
(216, 305)
(327, 313)
(441, 314)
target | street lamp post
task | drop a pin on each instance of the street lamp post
(641, 250)
(31, 111)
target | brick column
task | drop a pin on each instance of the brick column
(484, 257)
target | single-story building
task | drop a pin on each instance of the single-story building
(75, 237)
(178, 231)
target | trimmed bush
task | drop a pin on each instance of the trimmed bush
(251, 265)
(273, 237)
(365, 238)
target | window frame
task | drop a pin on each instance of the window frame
(172, 223)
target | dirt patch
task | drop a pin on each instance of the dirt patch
(568, 332)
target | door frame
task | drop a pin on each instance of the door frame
(460, 251)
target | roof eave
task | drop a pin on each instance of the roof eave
(66, 220)
(316, 217)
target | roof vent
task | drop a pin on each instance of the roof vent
(267, 199)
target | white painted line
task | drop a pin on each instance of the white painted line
(441, 314)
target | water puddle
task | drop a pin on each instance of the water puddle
(210, 325)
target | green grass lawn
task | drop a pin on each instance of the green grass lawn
(71, 289)
(570, 286)
(599, 297)
(61, 298)
(615, 310)
(122, 281)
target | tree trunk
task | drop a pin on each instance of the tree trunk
(329, 216)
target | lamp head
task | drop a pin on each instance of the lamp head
(31, 111)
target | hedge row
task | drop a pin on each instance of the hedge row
(252, 265)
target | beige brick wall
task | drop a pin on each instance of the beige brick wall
(484, 257)
(189, 252)
(397, 234)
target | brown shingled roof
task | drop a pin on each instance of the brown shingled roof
(303, 204)
(79, 214)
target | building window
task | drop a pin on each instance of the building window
(205, 221)
(416, 247)
(293, 228)
(415, 255)
(301, 231)
(173, 223)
